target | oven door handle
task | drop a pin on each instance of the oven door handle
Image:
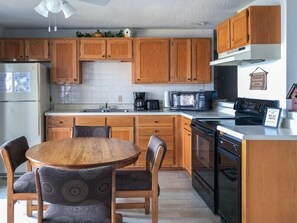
(203, 131)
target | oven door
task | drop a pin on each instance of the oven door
(229, 191)
(203, 165)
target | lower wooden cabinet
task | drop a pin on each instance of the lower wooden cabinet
(162, 126)
(137, 129)
(59, 127)
(187, 145)
(122, 127)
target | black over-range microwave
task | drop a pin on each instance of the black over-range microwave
(192, 100)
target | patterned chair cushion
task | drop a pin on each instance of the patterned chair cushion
(133, 180)
(76, 196)
(91, 131)
(25, 184)
(77, 214)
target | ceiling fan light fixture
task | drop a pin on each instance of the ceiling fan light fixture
(54, 6)
(42, 9)
(67, 9)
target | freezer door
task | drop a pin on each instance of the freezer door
(19, 82)
(20, 119)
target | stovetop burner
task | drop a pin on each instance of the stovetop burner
(247, 112)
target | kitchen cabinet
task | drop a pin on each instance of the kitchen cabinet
(105, 49)
(189, 60)
(269, 181)
(151, 60)
(180, 60)
(24, 49)
(122, 127)
(162, 126)
(65, 65)
(254, 25)
(59, 127)
(187, 145)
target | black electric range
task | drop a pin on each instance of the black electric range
(204, 144)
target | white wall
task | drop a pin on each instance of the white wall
(106, 81)
(277, 70)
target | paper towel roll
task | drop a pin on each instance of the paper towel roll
(166, 99)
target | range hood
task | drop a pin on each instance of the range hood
(250, 54)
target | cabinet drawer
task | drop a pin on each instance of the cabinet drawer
(142, 142)
(59, 121)
(148, 131)
(186, 124)
(90, 120)
(124, 121)
(155, 121)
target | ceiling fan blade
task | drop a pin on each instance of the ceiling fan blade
(96, 2)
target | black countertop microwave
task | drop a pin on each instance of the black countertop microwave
(192, 100)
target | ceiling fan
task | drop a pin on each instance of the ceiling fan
(96, 2)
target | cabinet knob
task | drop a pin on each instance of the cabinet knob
(194, 79)
(103, 56)
(156, 130)
(109, 55)
(156, 121)
(61, 122)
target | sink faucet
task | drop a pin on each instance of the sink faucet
(105, 104)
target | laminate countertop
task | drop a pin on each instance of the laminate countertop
(187, 114)
(254, 132)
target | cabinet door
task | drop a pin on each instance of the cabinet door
(223, 36)
(239, 29)
(65, 66)
(92, 49)
(119, 49)
(123, 133)
(187, 147)
(180, 60)
(58, 133)
(201, 55)
(36, 49)
(151, 63)
(12, 49)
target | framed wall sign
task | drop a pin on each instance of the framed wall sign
(272, 117)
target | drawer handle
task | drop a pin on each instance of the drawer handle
(156, 131)
(156, 121)
(61, 122)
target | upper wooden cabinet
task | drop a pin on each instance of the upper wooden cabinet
(24, 49)
(65, 65)
(254, 25)
(151, 60)
(105, 49)
(189, 60)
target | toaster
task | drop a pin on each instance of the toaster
(152, 105)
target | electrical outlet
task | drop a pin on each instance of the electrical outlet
(120, 98)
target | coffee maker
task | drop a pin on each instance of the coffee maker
(139, 102)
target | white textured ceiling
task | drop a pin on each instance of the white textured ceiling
(92, 14)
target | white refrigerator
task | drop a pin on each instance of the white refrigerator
(24, 98)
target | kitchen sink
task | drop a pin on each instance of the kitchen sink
(106, 110)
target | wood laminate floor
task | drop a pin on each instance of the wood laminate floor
(178, 203)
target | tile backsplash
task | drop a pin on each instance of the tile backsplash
(111, 82)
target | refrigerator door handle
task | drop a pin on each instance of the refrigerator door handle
(39, 119)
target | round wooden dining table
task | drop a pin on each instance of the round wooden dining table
(84, 152)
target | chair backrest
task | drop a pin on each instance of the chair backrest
(156, 152)
(13, 153)
(75, 187)
(91, 131)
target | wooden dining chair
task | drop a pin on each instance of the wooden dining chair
(91, 131)
(75, 195)
(142, 183)
(23, 188)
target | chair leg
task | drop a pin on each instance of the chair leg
(155, 208)
(147, 205)
(29, 208)
(10, 211)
